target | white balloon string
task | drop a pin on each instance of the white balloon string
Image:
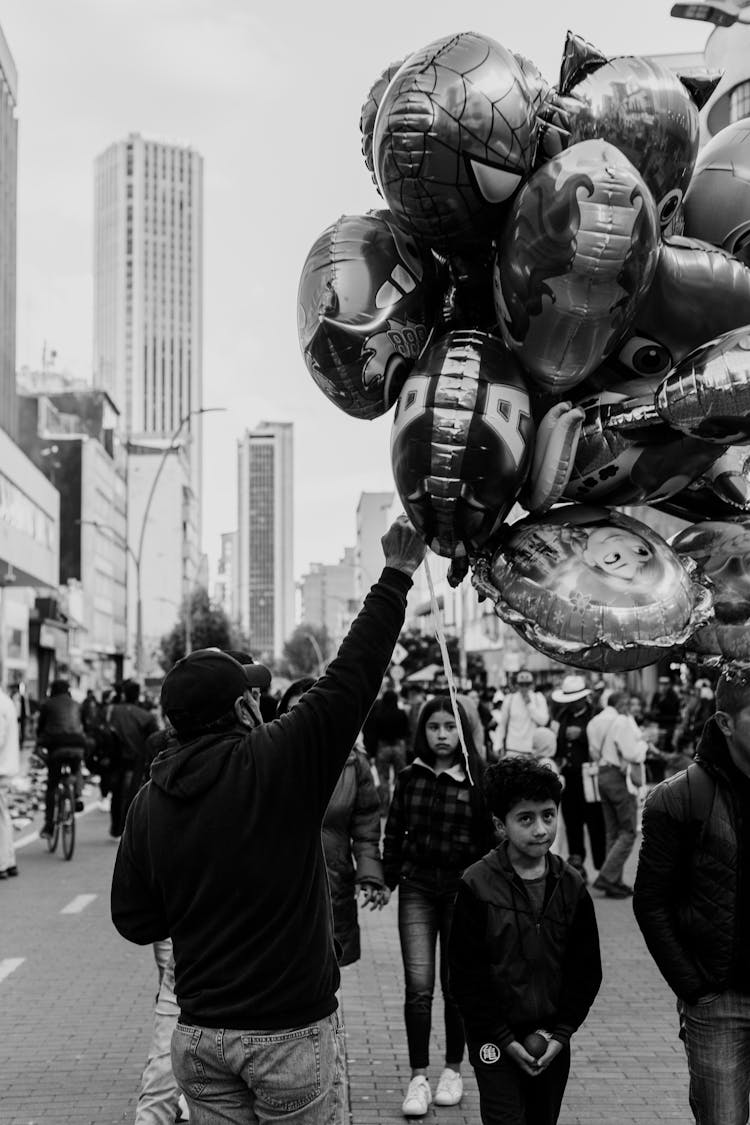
(437, 618)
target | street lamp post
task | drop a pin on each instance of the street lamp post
(317, 650)
(138, 555)
(137, 563)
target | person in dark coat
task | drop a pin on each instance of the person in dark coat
(665, 711)
(390, 733)
(60, 732)
(130, 725)
(692, 902)
(351, 841)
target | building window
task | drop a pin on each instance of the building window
(739, 102)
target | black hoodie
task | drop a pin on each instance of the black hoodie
(222, 852)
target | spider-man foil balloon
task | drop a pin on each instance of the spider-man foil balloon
(366, 305)
(577, 256)
(721, 549)
(593, 588)
(453, 139)
(717, 204)
(637, 104)
(461, 442)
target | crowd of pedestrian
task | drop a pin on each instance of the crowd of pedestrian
(254, 829)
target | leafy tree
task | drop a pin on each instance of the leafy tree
(209, 628)
(301, 656)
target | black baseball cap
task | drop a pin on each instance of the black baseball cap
(205, 684)
(257, 675)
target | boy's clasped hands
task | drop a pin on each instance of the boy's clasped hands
(535, 1053)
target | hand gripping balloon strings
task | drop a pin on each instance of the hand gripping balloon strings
(440, 634)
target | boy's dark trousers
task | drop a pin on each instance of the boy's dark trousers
(509, 1096)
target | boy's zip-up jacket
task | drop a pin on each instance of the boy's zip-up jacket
(511, 972)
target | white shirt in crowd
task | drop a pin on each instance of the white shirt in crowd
(10, 758)
(520, 714)
(615, 739)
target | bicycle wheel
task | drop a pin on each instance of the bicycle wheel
(68, 823)
(56, 818)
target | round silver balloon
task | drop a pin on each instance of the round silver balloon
(707, 395)
(722, 490)
(721, 548)
(594, 588)
(717, 204)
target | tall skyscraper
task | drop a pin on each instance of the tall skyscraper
(264, 566)
(8, 178)
(148, 349)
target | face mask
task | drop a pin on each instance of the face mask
(706, 693)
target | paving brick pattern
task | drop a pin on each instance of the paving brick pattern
(75, 1017)
(628, 1065)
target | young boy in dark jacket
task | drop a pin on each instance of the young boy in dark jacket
(524, 952)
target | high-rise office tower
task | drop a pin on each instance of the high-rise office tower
(263, 572)
(148, 347)
(8, 178)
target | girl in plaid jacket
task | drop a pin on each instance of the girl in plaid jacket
(437, 825)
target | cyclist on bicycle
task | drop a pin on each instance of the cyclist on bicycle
(60, 731)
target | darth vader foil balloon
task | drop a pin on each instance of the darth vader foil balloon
(453, 138)
(461, 442)
(593, 588)
(721, 548)
(365, 309)
(577, 256)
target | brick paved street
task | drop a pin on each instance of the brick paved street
(75, 1014)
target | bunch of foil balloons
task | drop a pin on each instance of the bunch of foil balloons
(555, 301)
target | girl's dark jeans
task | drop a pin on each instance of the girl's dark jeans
(426, 901)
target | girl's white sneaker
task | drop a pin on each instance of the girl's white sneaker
(418, 1097)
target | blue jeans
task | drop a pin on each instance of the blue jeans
(425, 910)
(242, 1077)
(620, 810)
(717, 1044)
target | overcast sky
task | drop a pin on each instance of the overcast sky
(270, 95)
